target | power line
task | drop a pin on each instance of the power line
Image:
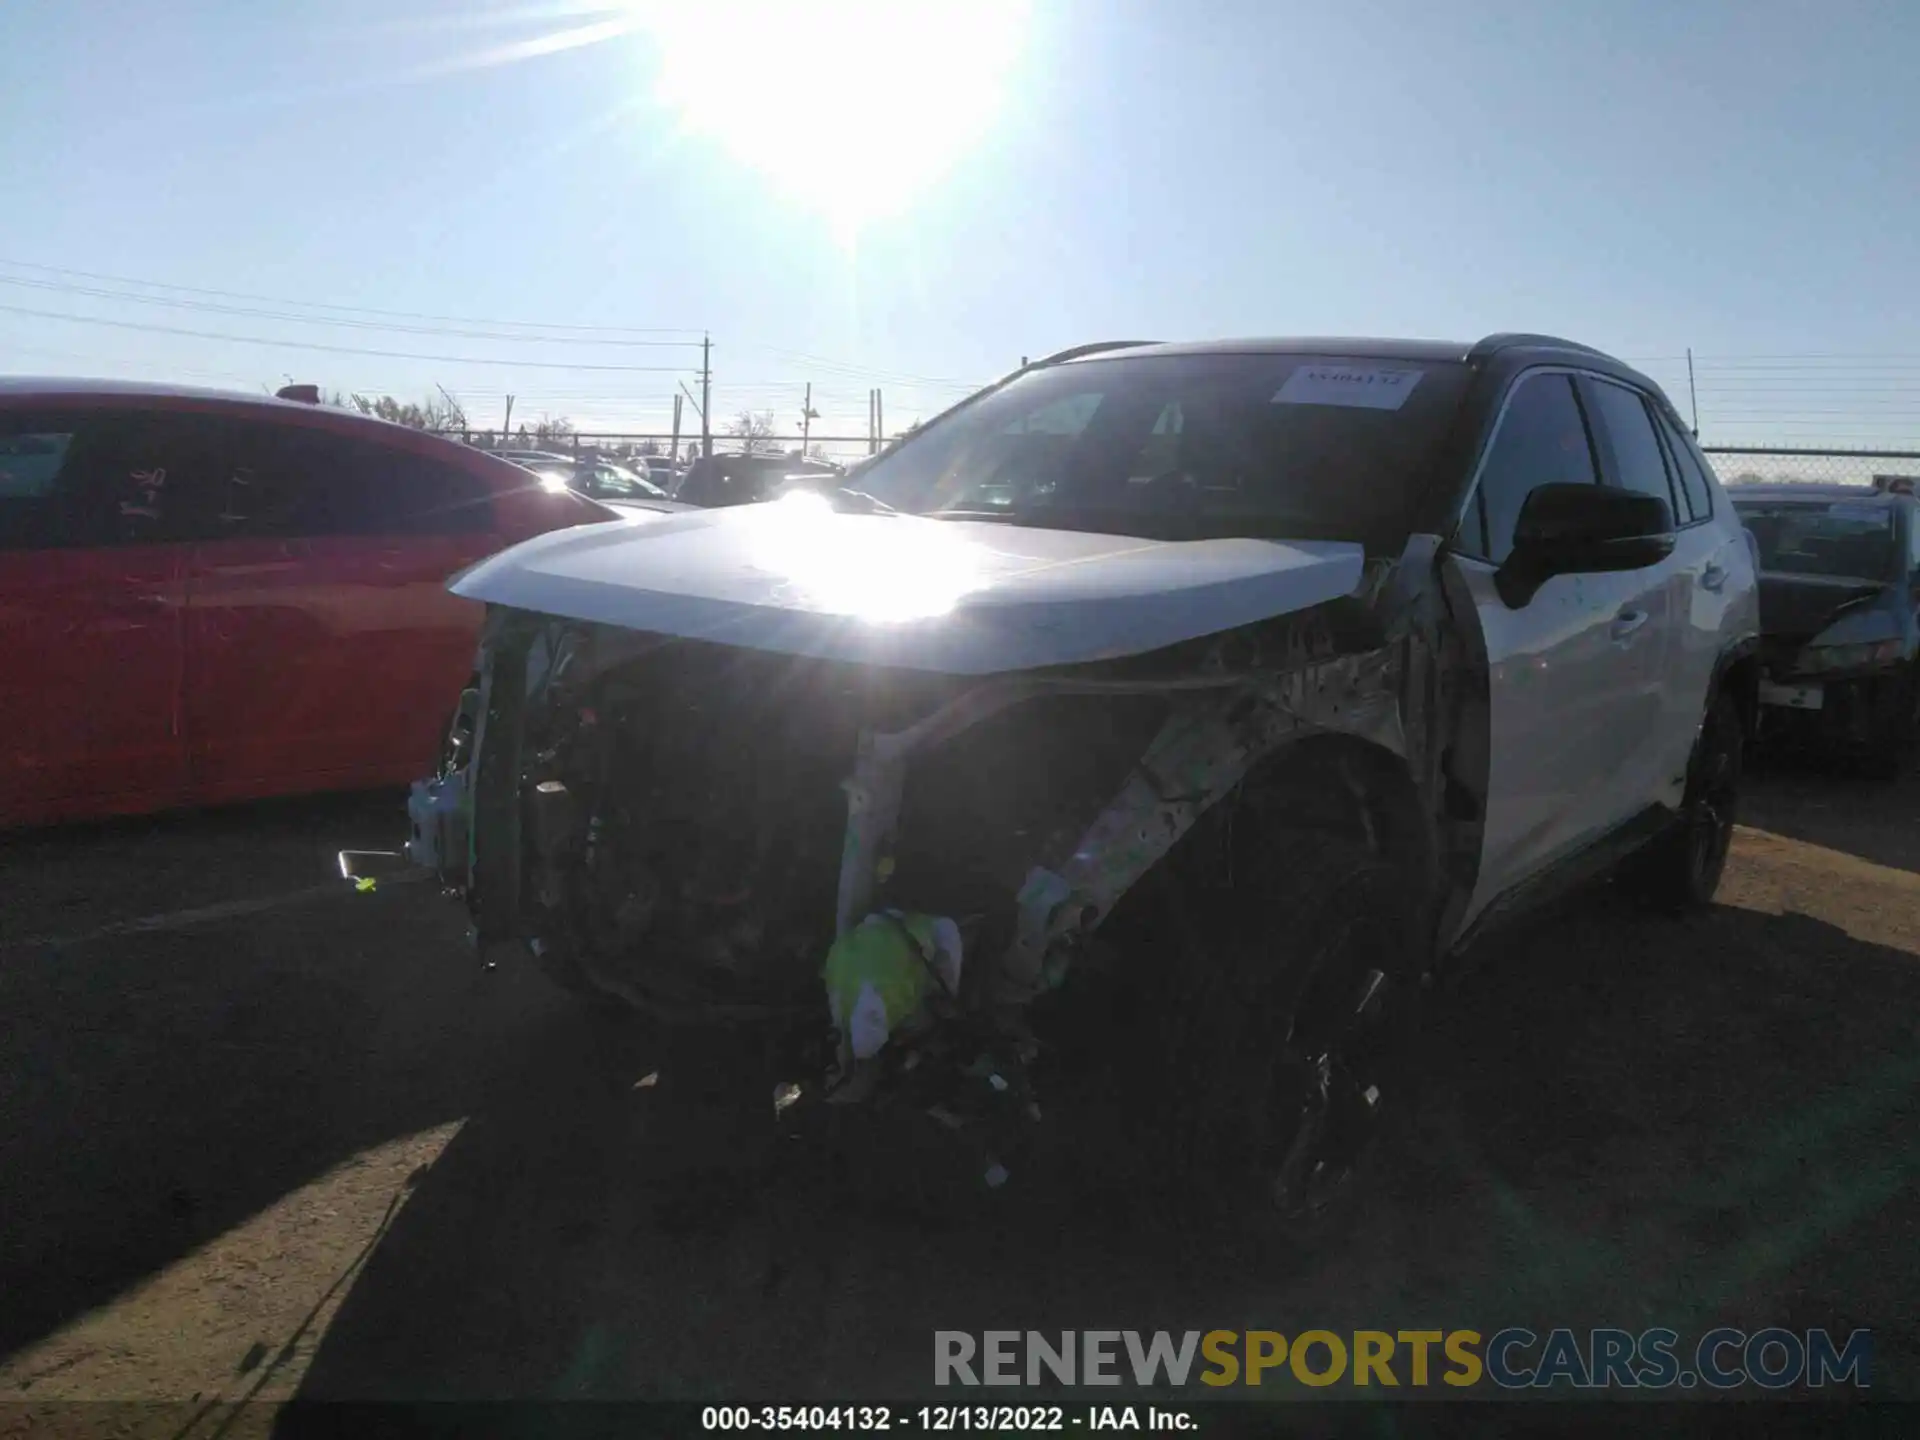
(348, 309)
(211, 306)
(338, 349)
(843, 368)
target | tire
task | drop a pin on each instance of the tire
(1283, 1038)
(1678, 873)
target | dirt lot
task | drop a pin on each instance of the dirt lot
(294, 1143)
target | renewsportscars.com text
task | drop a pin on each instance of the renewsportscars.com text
(1513, 1358)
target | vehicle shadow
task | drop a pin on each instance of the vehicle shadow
(1623, 1121)
(159, 1089)
(1826, 802)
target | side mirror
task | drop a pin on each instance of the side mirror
(1583, 529)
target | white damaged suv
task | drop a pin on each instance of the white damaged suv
(1246, 682)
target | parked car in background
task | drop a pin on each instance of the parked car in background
(667, 475)
(604, 481)
(717, 481)
(208, 597)
(1211, 698)
(533, 457)
(1840, 608)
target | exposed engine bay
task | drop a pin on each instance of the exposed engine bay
(691, 826)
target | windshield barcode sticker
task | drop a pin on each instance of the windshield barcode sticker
(1364, 387)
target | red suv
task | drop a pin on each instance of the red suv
(208, 597)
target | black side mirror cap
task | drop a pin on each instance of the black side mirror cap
(1582, 529)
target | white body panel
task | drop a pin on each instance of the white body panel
(1716, 597)
(1578, 702)
(958, 597)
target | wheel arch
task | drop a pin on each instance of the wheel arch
(1345, 785)
(1737, 673)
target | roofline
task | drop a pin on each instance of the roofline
(1524, 340)
(1075, 352)
(26, 392)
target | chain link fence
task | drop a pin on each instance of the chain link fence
(629, 444)
(1734, 463)
(1746, 464)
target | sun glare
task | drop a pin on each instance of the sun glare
(873, 568)
(854, 106)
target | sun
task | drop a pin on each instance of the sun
(854, 106)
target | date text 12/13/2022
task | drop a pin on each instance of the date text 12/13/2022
(938, 1419)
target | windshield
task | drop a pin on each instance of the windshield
(1845, 539)
(617, 482)
(727, 480)
(1315, 446)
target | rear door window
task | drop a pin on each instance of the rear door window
(1639, 463)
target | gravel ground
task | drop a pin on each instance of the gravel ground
(304, 1148)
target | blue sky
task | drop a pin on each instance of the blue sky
(1732, 175)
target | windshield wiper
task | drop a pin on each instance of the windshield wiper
(868, 504)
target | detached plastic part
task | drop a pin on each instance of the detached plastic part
(365, 869)
(880, 974)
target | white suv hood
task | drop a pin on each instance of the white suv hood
(960, 597)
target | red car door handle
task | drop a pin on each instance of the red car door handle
(1626, 623)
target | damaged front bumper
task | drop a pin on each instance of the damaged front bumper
(693, 827)
(619, 791)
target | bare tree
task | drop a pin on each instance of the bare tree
(433, 413)
(754, 430)
(553, 427)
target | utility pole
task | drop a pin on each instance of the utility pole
(673, 449)
(699, 409)
(706, 396)
(873, 433)
(1692, 394)
(506, 424)
(807, 416)
(880, 416)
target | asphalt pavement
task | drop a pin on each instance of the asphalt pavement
(262, 1137)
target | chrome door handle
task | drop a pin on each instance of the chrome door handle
(1626, 623)
(1713, 577)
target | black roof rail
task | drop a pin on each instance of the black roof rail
(1074, 352)
(1507, 341)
